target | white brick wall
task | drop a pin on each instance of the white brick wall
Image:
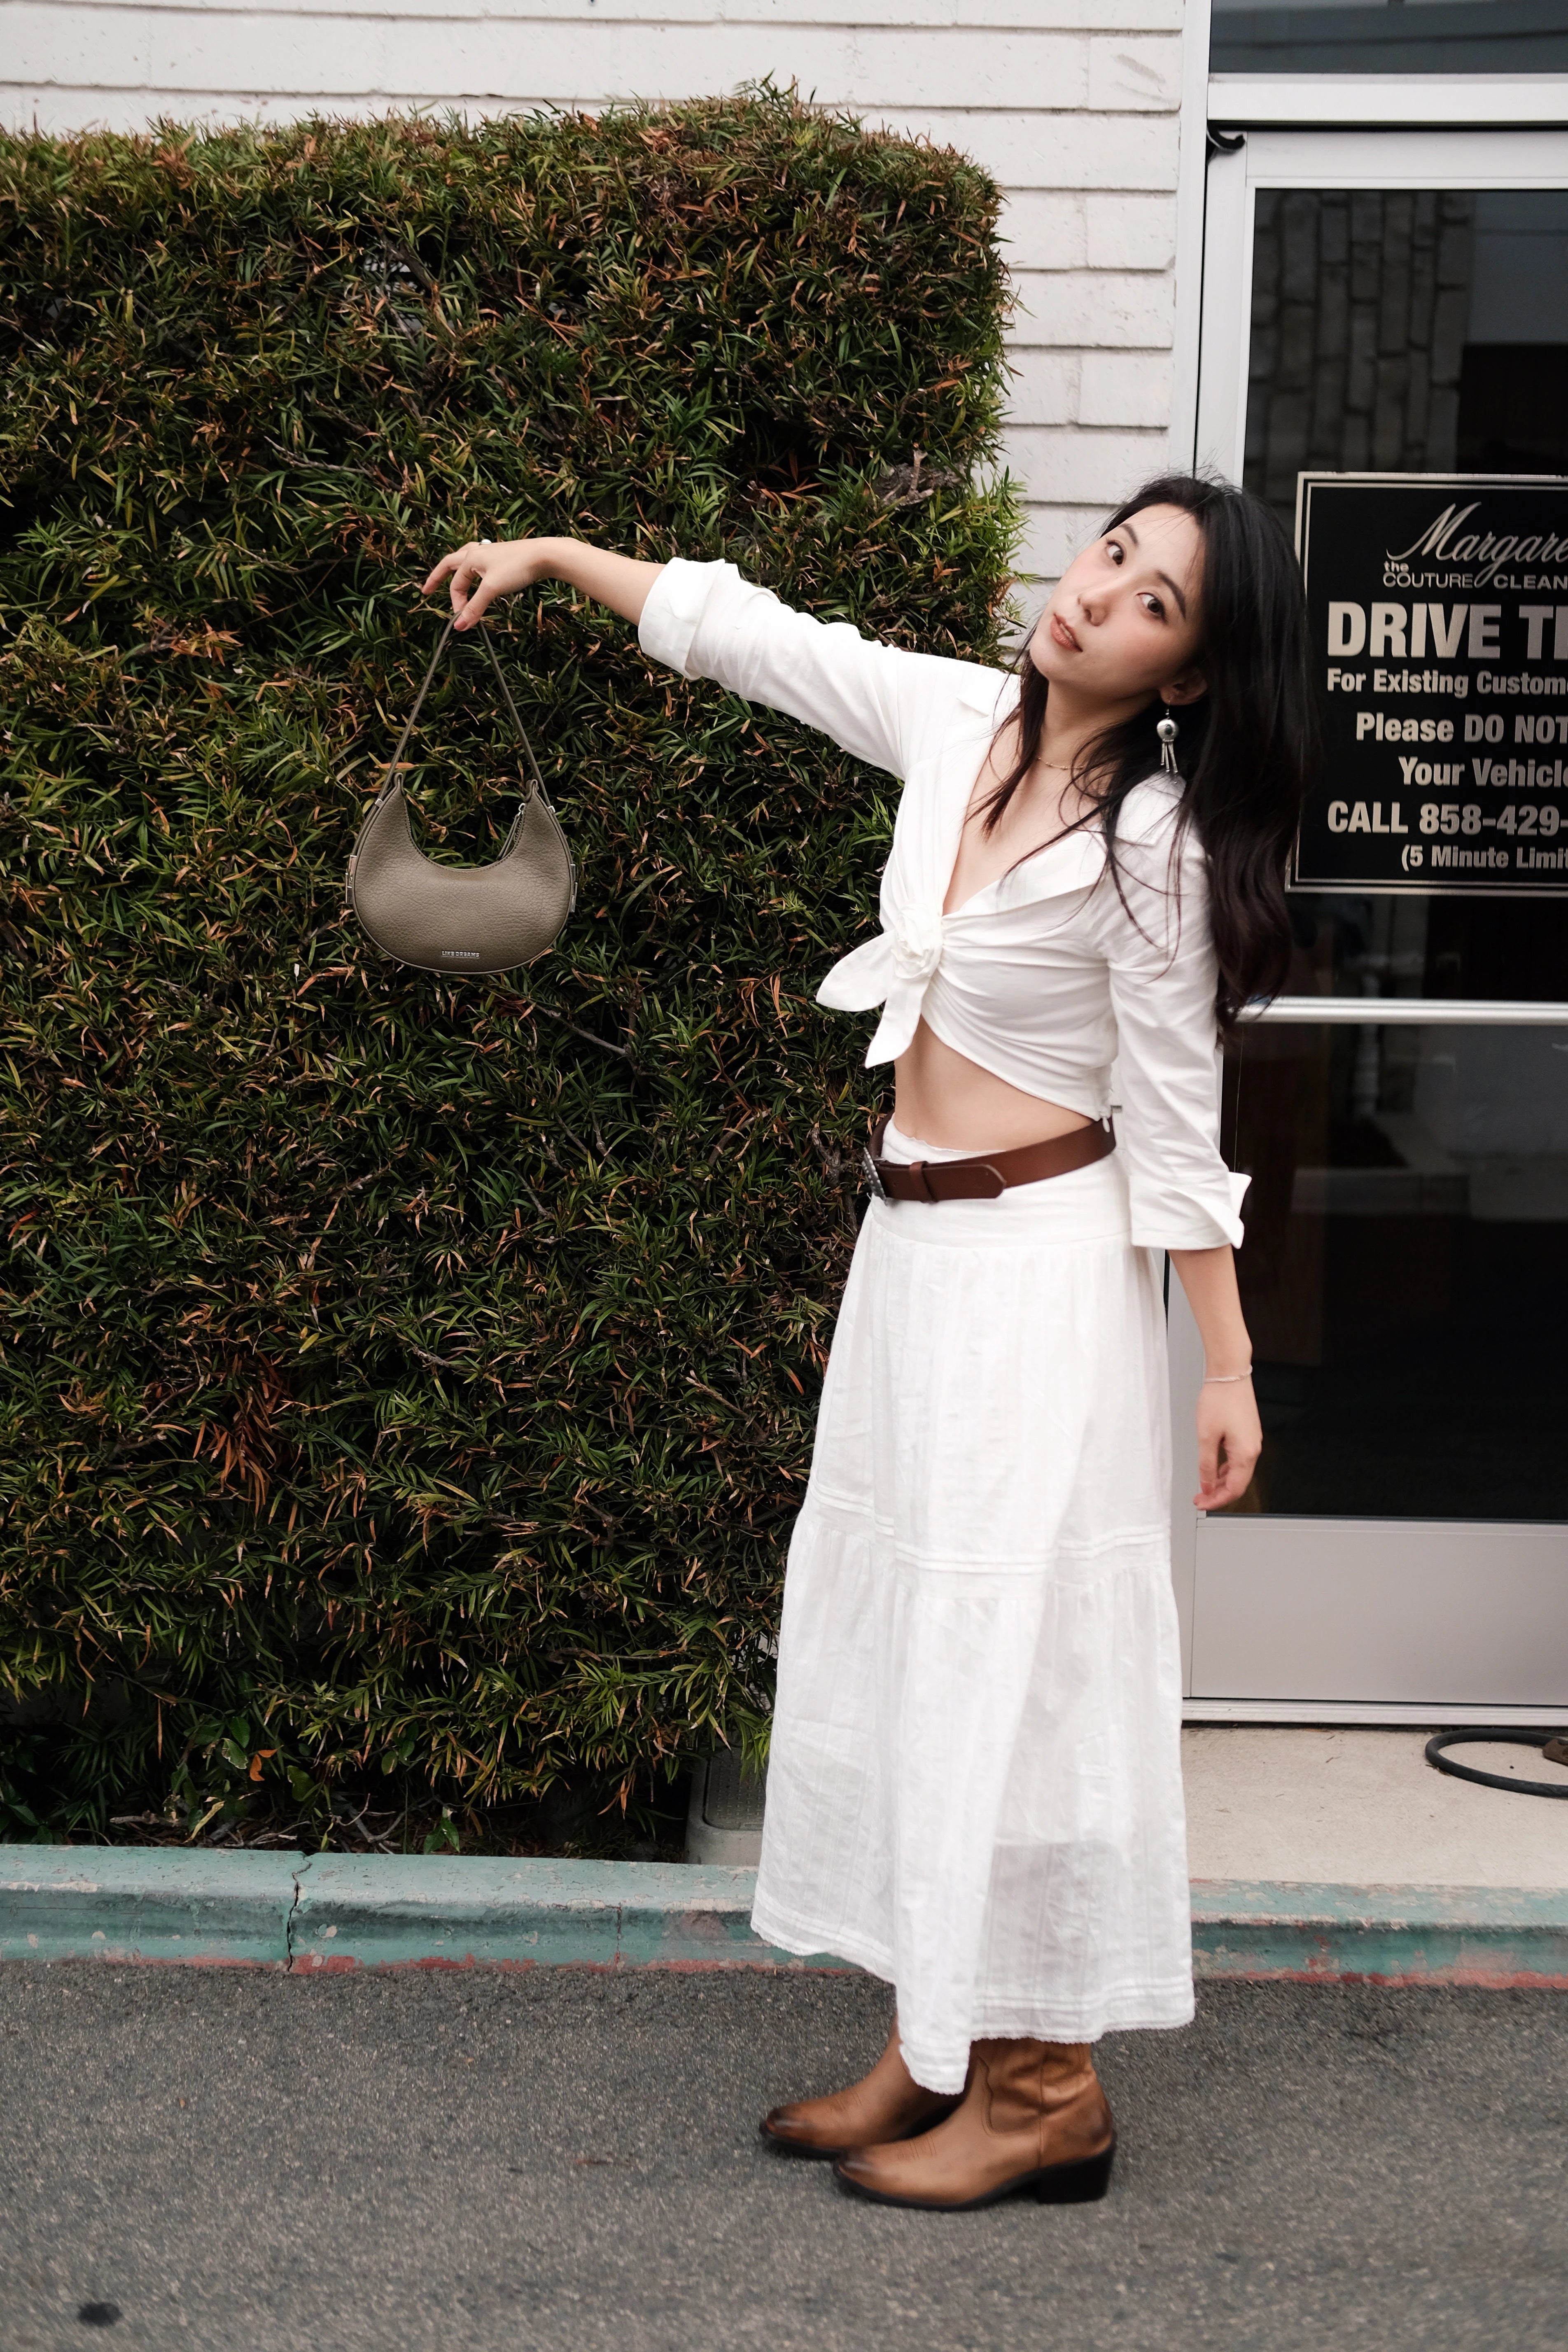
(1073, 105)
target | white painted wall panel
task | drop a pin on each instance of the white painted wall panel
(1121, 388)
(1043, 149)
(467, 56)
(1086, 308)
(1072, 467)
(463, 54)
(1138, 75)
(773, 18)
(1045, 387)
(1043, 228)
(1072, 105)
(42, 46)
(1128, 232)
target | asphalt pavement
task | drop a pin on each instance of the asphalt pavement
(234, 2161)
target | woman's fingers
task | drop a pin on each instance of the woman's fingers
(447, 564)
(485, 569)
(1226, 1483)
(479, 572)
(466, 569)
(467, 582)
(1229, 1487)
(1227, 1456)
(468, 605)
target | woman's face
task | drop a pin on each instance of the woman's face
(1123, 621)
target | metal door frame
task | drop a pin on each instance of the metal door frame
(1384, 1567)
(1218, 1561)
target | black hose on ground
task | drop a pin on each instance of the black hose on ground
(1554, 1745)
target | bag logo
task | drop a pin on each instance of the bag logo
(459, 955)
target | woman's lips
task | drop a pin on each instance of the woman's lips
(1063, 634)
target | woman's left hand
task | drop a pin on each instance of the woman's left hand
(1230, 1439)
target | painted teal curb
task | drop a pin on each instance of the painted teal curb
(340, 1912)
(1497, 1936)
(146, 1904)
(446, 1910)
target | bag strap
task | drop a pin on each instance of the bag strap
(396, 762)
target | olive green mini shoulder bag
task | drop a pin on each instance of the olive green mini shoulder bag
(461, 918)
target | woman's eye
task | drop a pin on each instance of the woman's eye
(1113, 548)
(1153, 604)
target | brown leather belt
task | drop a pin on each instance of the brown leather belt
(982, 1177)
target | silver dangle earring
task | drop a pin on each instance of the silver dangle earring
(1167, 731)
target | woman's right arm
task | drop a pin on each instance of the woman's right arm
(487, 569)
(877, 701)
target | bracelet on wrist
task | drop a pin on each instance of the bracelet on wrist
(1223, 1379)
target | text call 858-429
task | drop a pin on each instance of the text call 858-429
(1438, 606)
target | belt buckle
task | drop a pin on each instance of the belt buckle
(873, 1176)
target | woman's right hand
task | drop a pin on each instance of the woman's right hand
(487, 568)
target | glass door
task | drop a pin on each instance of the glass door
(1385, 360)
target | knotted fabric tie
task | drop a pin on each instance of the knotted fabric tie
(894, 971)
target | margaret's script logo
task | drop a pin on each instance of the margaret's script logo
(1443, 542)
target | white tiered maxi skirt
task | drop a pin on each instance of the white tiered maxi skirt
(975, 1787)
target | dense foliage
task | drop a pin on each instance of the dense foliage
(404, 1375)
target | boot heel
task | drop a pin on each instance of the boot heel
(1076, 2184)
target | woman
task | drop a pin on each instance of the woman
(975, 1787)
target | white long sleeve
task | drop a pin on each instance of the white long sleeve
(1160, 957)
(878, 702)
(1045, 977)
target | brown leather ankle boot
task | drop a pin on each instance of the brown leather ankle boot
(1033, 2117)
(887, 2105)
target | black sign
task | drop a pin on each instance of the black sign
(1439, 610)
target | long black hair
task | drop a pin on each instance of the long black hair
(1248, 744)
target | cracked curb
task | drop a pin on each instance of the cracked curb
(293, 1912)
(447, 1911)
(332, 1914)
(149, 1903)
(318, 1914)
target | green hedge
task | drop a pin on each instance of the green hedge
(400, 1374)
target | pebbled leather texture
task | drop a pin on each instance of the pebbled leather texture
(461, 918)
(474, 918)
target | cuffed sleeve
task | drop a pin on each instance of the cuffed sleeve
(673, 611)
(878, 702)
(1162, 976)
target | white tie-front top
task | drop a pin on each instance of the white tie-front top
(1043, 977)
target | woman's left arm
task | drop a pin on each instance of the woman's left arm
(1184, 1199)
(1230, 1436)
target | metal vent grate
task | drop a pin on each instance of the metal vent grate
(731, 1800)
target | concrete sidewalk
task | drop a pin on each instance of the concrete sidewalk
(1343, 1853)
(1365, 1808)
(1324, 1854)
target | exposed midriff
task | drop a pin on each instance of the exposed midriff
(947, 1098)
